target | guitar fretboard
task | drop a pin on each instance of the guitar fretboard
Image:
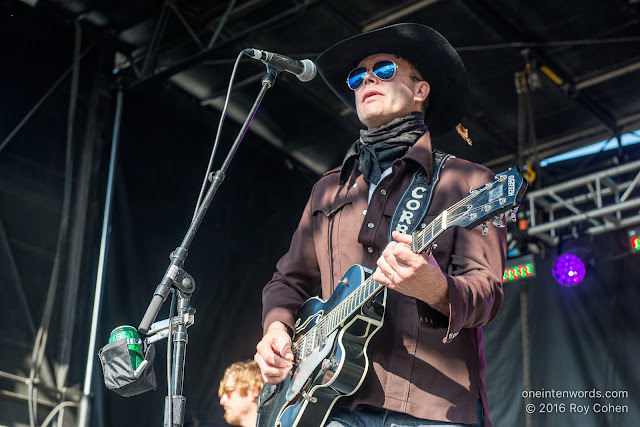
(318, 333)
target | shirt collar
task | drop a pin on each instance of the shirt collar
(422, 153)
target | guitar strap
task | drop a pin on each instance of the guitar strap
(414, 204)
(415, 201)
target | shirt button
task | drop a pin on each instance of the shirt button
(370, 249)
(364, 212)
(383, 192)
(370, 225)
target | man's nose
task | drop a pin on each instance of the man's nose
(369, 77)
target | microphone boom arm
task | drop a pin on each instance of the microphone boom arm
(176, 278)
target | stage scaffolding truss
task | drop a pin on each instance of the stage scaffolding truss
(593, 204)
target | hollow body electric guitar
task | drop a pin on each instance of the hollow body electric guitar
(331, 337)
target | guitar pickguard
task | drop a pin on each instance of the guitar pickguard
(306, 368)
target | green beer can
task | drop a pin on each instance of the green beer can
(134, 342)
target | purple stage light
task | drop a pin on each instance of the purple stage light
(568, 270)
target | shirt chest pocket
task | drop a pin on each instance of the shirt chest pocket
(332, 224)
(336, 238)
(407, 217)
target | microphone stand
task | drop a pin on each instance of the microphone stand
(178, 279)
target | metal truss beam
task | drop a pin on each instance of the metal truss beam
(551, 147)
(593, 204)
(387, 17)
(204, 54)
(606, 76)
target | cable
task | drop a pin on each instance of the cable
(561, 43)
(218, 133)
(55, 410)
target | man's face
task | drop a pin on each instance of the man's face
(380, 101)
(238, 407)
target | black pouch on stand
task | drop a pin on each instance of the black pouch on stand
(119, 376)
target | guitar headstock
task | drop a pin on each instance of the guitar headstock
(504, 193)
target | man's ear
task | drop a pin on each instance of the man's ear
(254, 393)
(421, 91)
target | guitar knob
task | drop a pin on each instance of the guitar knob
(431, 248)
(498, 222)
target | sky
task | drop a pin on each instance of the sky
(609, 144)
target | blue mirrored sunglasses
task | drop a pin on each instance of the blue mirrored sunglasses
(384, 70)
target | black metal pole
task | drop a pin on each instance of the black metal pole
(175, 403)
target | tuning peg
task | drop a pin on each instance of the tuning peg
(498, 222)
(514, 213)
(485, 228)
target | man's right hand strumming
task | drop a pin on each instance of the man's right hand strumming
(273, 354)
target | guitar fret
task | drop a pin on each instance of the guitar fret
(433, 228)
(314, 340)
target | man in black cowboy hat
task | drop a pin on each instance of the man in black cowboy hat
(426, 362)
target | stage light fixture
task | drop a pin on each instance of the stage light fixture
(519, 268)
(634, 240)
(569, 270)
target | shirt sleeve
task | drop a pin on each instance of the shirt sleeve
(474, 277)
(297, 276)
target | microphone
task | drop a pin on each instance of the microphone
(305, 70)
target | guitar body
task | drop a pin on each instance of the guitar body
(335, 368)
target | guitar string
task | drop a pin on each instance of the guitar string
(329, 319)
(322, 325)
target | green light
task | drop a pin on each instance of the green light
(517, 272)
(635, 243)
(519, 268)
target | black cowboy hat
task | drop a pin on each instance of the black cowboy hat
(431, 54)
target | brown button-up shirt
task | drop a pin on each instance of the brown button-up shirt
(435, 374)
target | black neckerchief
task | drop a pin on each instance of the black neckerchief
(378, 148)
